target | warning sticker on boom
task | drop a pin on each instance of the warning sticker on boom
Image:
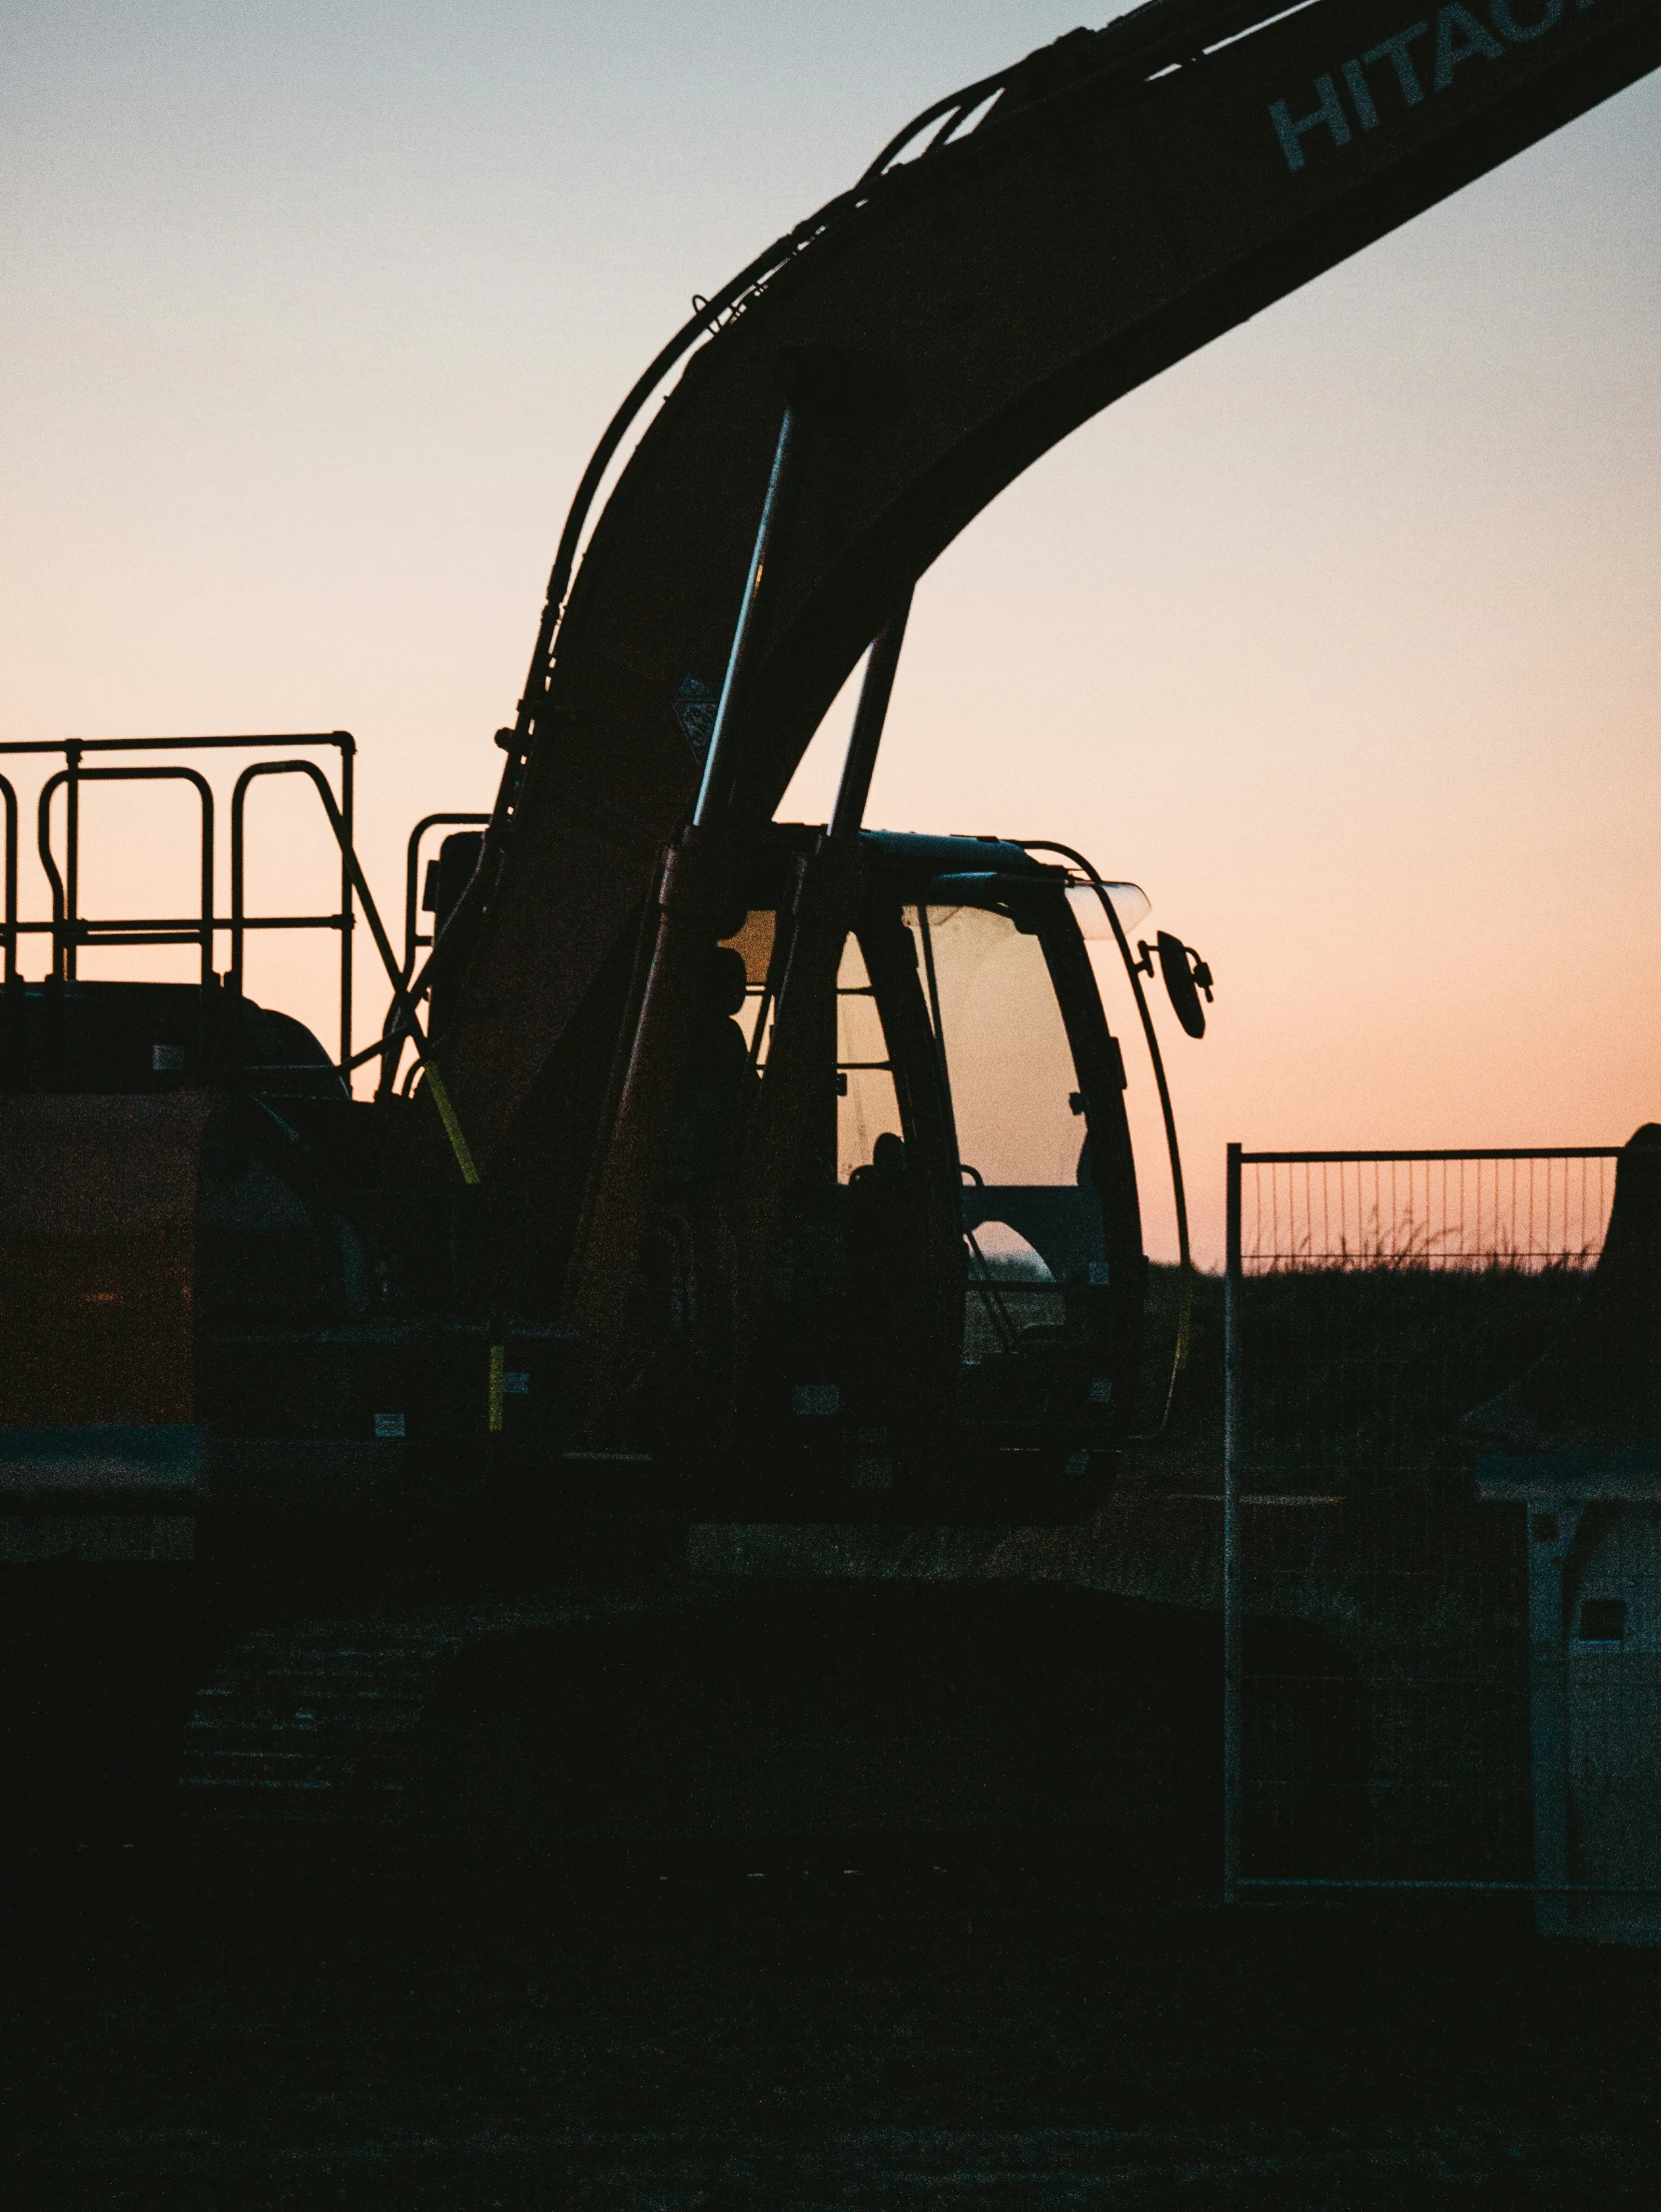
(694, 704)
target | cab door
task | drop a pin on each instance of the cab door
(1049, 1219)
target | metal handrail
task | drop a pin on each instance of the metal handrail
(413, 938)
(407, 1023)
(340, 821)
(9, 796)
(174, 928)
(70, 928)
(342, 740)
(69, 931)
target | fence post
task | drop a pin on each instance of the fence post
(1233, 1640)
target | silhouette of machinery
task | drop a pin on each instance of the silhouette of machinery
(668, 1205)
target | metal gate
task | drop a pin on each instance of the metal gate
(1380, 1680)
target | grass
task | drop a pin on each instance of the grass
(1353, 1378)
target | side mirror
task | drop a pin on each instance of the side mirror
(1183, 982)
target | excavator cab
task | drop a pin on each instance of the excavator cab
(947, 1322)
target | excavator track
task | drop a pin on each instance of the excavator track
(318, 1726)
(729, 1728)
(370, 1743)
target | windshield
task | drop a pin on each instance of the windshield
(1007, 1058)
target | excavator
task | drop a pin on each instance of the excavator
(347, 1446)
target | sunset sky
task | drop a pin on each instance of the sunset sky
(1344, 639)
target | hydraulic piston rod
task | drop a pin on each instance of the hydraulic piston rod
(727, 739)
(859, 763)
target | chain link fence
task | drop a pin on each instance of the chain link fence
(1373, 1299)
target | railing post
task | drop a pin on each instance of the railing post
(207, 1023)
(1232, 1625)
(13, 1036)
(348, 848)
(72, 858)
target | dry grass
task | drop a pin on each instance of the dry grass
(1355, 1377)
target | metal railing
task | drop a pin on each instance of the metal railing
(60, 855)
(414, 938)
(1376, 1638)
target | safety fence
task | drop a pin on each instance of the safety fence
(1376, 1634)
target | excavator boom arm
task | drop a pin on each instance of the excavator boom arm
(1127, 196)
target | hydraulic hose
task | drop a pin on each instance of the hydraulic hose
(1158, 36)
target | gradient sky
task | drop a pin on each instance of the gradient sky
(1344, 637)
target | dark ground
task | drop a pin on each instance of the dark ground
(874, 2041)
(766, 2047)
